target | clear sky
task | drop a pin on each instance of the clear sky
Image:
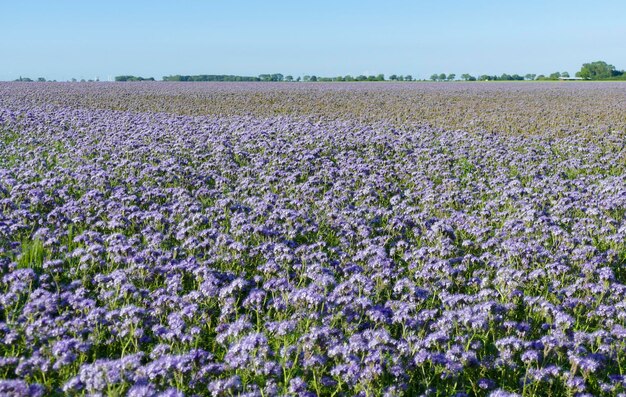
(61, 39)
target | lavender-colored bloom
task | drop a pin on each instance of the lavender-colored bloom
(225, 387)
(19, 388)
(220, 239)
(502, 393)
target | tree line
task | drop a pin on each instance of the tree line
(133, 78)
(598, 70)
(210, 77)
(281, 77)
(502, 77)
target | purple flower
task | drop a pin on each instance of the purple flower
(18, 388)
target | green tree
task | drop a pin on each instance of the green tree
(442, 77)
(451, 77)
(597, 70)
(554, 76)
(408, 77)
(434, 77)
(530, 76)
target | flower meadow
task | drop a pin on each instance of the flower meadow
(155, 243)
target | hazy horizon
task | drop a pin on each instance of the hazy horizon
(71, 39)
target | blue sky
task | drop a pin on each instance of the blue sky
(62, 39)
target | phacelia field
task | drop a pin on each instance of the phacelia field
(312, 239)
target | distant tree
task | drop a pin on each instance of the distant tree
(408, 77)
(306, 78)
(471, 78)
(288, 78)
(597, 70)
(208, 77)
(134, 78)
(541, 77)
(442, 77)
(41, 79)
(393, 77)
(451, 77)
(465, 76)
(554, 76)
(434, 77)
(530, 76)
(298, 78)
(348, 78)
(313, 78)
(565, 74)
(361, 77)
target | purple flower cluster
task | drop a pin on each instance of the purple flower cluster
(148, 253)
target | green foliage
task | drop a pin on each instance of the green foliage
(32, 256)
(271, 77)
(555, 76)
(133, 78)
(211, 77)
(598, 70)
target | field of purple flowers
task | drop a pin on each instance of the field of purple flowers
(399, 239)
